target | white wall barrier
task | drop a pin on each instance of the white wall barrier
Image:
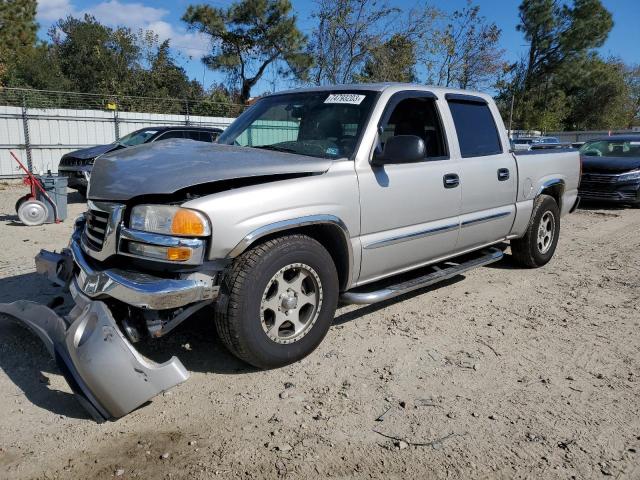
(52, 132)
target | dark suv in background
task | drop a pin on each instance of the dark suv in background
(77, 165)
(611, 169)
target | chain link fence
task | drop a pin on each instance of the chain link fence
(41, 126)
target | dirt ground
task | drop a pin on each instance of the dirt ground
(502, 373)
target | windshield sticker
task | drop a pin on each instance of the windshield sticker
(635, 144)
(350, 98)
(332, 151)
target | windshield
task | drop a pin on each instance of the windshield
(612, 148)
(138, 137)
(319, 124)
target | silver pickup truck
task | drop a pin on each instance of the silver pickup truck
(352, 194)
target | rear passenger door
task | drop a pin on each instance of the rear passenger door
(488, 175)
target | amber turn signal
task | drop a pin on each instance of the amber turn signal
(188, 222)
(178, 254)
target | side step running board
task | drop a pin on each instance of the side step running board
(437, 273)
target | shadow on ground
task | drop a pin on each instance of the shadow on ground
(23, 357)
(25, 361)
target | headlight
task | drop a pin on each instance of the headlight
(169, 220)
(632, 175)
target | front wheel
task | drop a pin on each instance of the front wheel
(538, 244)
(277, 302)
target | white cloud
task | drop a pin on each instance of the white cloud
(192, 44)
(51, 10)
(134, 15)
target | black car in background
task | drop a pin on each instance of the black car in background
(77, 165)
(611, 169)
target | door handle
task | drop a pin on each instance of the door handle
(451, 180)
(503, 174)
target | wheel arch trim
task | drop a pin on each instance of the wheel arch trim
(294, 223)
(551, 184)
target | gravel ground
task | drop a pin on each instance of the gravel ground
(502, 373)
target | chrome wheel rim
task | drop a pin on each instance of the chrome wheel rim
(291, 303)
(32, 212)
(546, 232)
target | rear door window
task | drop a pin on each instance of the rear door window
(476, 129)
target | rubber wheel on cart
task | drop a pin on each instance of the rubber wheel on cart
(277, 301)
(538, 244)
(21, 200)
(33, 213)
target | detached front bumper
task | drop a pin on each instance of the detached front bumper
(109, 377)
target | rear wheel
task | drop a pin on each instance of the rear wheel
(277, 302)
(538, 244)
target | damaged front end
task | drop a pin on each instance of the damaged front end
(108, 375)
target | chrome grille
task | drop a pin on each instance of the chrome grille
(615, 195)
(100, 234)
(96, 228)
(599, 177)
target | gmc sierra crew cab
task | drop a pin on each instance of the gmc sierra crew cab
(351, 193)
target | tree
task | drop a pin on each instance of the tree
(560, 70)
(632, 80)
(558, 33)
(249, 36)
(596, 93)
(392, 61)
(467, 52)
(39, 68)
(160, 75)
(95, 58)
(347, 32)
(17, 32)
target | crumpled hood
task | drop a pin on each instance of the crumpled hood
(92, 152)
(609, 164)
(171, 165)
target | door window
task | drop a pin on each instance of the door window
(476, 129)
(171, 134)
(417, 116)
(198, 136)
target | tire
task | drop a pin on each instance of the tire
(289, 275)
(534, 250)
(21, 200)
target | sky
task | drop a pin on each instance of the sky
(163, 17)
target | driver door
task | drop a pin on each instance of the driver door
(409, 211)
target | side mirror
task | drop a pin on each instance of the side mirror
(401, 149)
